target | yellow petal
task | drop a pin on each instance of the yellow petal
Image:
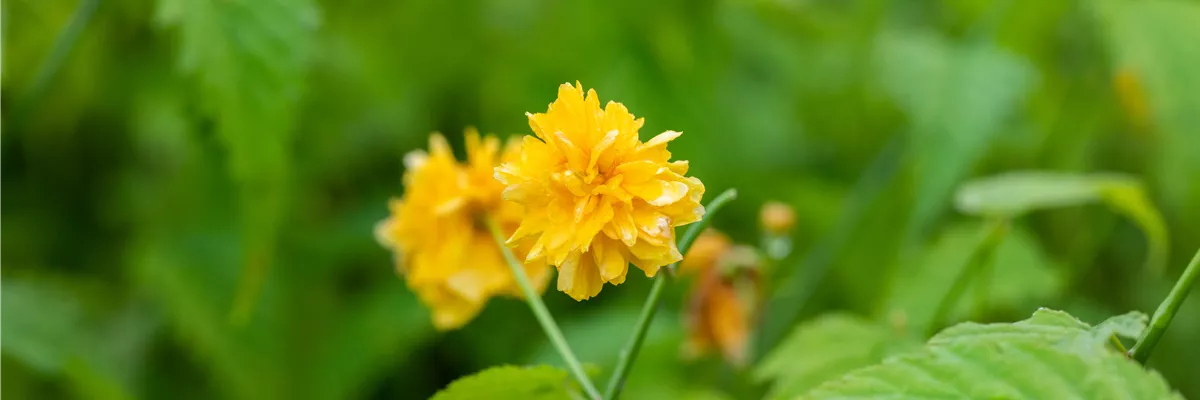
(579, 277)
(608, 257)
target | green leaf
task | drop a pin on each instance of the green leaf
(1155, 42)
(192, 278)
(1015, 193)
(41, 325)
(249, 60)
(97, 351)
(1020, 277)
(1043, 357)
(816, 352)
(371, 333)
(999, 370)
(957, 97)
(1047, 327)
(510, 382)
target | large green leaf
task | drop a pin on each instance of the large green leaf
(1015, 193)
(1000, 370)
(1047, 326)
(957, 97)
(825, 348)
(1155, 41)
(1039, 358)
(510, 382)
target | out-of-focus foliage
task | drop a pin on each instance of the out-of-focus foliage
(1016, 193)
(189, 186)
(815, 352)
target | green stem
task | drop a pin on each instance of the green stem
(1117, 343)
(543, 315)
(1166, 311)
(629, 353)
(66, 40)
(980, 258)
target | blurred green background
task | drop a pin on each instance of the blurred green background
(158, 154)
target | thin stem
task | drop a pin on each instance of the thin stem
(1166, 311)
(4, 36)
(62, 47)
(543, 315)
(1117, 343)
(980, 258)
(629, 353)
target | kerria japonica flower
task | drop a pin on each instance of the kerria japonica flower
(596, 197)
(439, 235)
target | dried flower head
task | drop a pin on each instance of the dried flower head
(596, 197)
(723, 297)
(705, 251)
(437, 231)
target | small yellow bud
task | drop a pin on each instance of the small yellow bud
(777, 218)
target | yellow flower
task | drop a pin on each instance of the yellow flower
(438, 232)
(596, 197)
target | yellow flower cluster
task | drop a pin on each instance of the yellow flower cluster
(439, 234)
(596, 197)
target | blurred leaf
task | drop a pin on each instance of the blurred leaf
(1155, 41)
(41, 326)
(1015, 193)
(957, 97)
(510, 382)
(599, 337)
(47, 327)
(817, 351)
(192, 279)
(249, 59)
(1021, 275)
(1019, 361)
(385, 325)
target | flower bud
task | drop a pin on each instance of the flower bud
(777, 218)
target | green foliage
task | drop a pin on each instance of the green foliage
(510, 382)
(249, 60)
(1016, 193)
(93, 348)
(1047, 326)
(1152, 40)
(966, 90)
(1051, 355)
(45, 340)
(825, 348)
(1020, 277)
(181, 149)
